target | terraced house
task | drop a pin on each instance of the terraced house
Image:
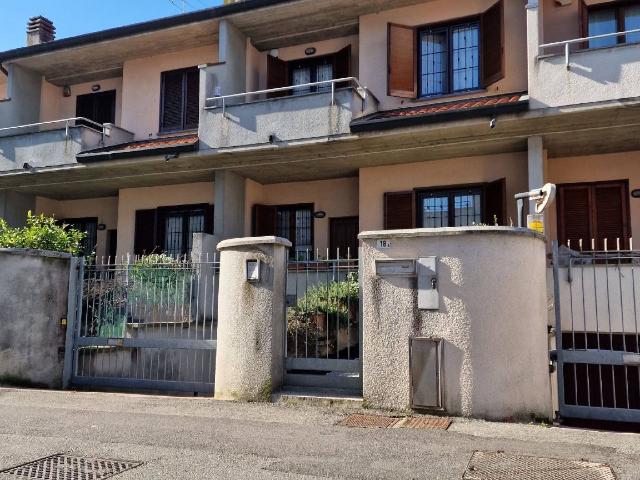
(317, 120)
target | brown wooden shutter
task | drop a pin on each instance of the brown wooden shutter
(342, 64)
(172, 95)
(264, 220)
(277, 75)
(145, 232)
(610, 201)
(495, 204)
(492, 32)
(343, 235)
(399, 210)
(574, 216)
(192, 90)
(402, 61)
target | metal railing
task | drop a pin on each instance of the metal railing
(566, 44)
(68, 122)
(361, 90)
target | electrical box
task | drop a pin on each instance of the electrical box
(425, 363)
(253, 271)
(428, 295)
(396, 268)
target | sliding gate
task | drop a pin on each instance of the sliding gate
(597, 307)
(146, 324)
(323, 326)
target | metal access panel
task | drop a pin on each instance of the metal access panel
(428, 295)
(403, 267)
(425, 363)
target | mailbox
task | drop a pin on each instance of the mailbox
(253, 271)
(396, 268)
(428, 296)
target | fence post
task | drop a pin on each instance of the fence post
(72, 318)
(251, 312)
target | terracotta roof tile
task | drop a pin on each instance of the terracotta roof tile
(159, 143)
(448, 107)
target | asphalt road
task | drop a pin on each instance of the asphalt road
(202, 438)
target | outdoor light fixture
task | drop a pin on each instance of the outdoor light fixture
(96, 87)
(253, 271)
(27, 166)
(171, 156)
(320, 214)
(66, 91)
(310, 51)
(635, 193)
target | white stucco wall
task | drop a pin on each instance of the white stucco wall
(492, 319)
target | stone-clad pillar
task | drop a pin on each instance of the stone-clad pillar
(251, 319)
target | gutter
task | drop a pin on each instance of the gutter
(377, 124)
(139, 28)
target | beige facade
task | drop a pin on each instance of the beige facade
(132, 199)
(105, 210)
(337, 198)
(373, 44)
(375, 182)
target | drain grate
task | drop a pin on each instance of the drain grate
(67, 467)
(505, 466)
(426, 423)
(368, 421)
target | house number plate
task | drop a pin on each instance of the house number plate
(384, 244)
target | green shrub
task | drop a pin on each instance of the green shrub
(41, 233)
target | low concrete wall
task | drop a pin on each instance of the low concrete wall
(492, 320)
(33, 300)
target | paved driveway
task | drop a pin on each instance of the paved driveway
(202, 438)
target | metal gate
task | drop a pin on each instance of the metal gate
(146, 323)
(597, 298)
(323, 323)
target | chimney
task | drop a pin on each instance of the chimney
(40, 30)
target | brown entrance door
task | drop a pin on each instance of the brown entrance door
(343, 237)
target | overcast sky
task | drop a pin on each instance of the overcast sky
(75, 17)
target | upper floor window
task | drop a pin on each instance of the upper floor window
(457, 56)
(282, 73)
(611, 18)
(450, 58)
(179, 100)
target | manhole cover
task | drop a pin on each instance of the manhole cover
(426, 423)
(66, 467)
(505, 466)
(368, 421)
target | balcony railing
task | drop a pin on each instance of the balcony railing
(566, 44)
(351, 81)
(57, 142)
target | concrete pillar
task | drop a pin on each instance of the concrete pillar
(534, 39)
(228, 218)
(14, 207)
(251, 319)
(537, 157)
(23, 93)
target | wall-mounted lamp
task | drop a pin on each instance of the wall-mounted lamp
(171, 156)
(310, 51)
(96, 87)
(320, 214)
(101, 227)
(635, 193)
(253, 271)
(66, 91)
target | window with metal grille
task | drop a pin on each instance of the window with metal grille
(450, 208)
(295, 223)
(88, 226)
(179, 226)
(604, 19)
(179, 109)
(450, 58)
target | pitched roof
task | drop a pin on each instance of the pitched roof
(441, 112)
(156, 146)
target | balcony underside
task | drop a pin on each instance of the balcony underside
(586, 130)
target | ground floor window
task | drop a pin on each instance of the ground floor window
(170, 229)
(293, 222)
(89, 226)
(591, 213)
(450, 208)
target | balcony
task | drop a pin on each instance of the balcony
(308, 112)
(55, 143)
(566, 73)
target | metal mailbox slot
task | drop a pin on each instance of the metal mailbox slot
(425, 363)
(428, 295)
(396, 268)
